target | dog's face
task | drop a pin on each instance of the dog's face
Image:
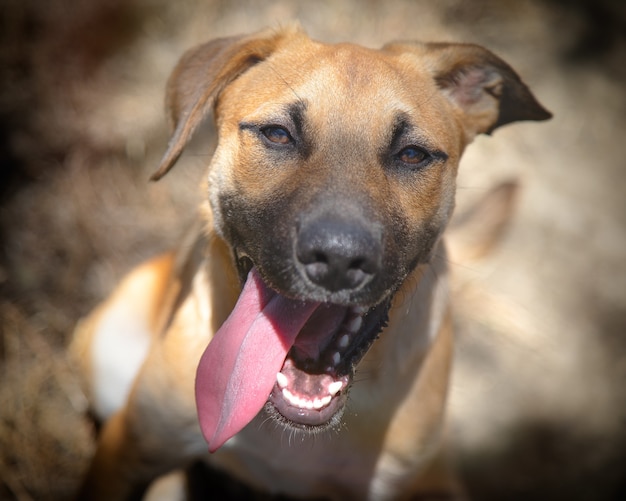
(334, 178)
(335, 170)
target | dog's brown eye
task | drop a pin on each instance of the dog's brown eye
(413, 155)
(277, 134)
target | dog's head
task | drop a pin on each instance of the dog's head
(333, 179)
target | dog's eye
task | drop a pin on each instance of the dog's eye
(277, 134)
(413, 155)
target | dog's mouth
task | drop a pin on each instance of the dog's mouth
(294, 358)
(312, 384)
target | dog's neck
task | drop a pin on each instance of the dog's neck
(417, 314)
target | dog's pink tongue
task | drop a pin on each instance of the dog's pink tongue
(238, 369)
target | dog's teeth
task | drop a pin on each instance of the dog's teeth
(336, 358)
(333, 388)
(360, 310)
(344, 341)
(281, 379)
(317, 403)
(355, 324)
(289, 396)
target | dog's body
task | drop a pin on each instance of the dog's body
(329, 190)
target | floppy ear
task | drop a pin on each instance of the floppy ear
(482, 86)
(201, 74)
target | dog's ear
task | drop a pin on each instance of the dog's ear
(201, 74)
(482, 86)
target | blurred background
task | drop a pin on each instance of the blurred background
(538, 405)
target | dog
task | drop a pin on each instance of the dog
(302, 330)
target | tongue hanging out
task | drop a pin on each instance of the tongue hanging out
(238, 369)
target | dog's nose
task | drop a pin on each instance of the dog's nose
(338, 254)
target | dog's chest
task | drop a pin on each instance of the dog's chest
(285, 462)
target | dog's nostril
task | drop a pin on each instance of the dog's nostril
(320, 258)
(357, 265)
(356, 276)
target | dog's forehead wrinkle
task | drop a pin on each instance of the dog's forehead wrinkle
(341, 71)
(284, 80)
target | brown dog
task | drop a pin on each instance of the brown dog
(319, 256)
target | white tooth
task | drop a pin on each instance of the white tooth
(326, 400)
(288, 395)
(333, 388)
(355, 324)
(344, 341)
(317, 403)
(282, 380)
(360, 310)
(336, 358)
(309, 404)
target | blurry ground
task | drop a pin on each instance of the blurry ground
(538, 408)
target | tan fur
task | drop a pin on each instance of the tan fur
(350, 97)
